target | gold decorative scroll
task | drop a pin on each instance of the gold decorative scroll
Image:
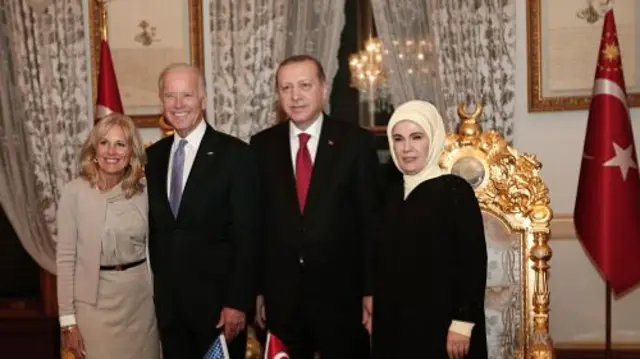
(509, 186)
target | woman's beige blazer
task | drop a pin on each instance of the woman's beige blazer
(81, 216)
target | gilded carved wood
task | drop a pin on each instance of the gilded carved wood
(508, 186)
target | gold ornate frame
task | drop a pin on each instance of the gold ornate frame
(512, 190)
(98, 26)
(537, 101)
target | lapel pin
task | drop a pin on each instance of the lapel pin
(209, 153)
(330, 143)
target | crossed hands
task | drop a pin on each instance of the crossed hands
(233, 322)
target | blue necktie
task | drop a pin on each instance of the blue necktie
(177, 168)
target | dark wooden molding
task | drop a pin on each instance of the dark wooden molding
(49, 294)
(20, 308)
(32, 308)
(29, 338)
(596, 353)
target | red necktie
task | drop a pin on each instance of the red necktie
(304, 167)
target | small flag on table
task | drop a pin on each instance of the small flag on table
(275, 348)
(218, 349)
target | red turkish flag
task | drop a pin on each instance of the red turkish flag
(108, 93)
(607, 205)
(275, 348)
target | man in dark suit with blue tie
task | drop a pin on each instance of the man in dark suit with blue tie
(203, 224)
(319, 180)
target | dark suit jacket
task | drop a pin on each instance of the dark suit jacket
(204, 259)
(332, 238)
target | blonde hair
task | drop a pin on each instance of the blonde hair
(134, 172)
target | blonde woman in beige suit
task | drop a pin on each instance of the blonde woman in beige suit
(104, 288)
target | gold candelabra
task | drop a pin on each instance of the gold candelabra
(369, 77)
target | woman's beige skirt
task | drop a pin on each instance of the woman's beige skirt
(122, 324)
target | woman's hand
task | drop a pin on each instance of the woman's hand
(457, 345)
(72, 341)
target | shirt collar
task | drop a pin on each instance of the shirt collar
(313, 130)
(194, 138)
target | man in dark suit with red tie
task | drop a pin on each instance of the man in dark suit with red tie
(319, 197)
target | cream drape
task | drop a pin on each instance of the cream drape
(44, 93)
(314, 28)
(247, 42)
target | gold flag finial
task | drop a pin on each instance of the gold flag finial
(608, 4)
(165, 127)
(102, 5)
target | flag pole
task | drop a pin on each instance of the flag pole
(103, 18)
(607, 342)
(606, 180)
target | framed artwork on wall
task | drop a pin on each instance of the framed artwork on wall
(563, 39)
(144, 36)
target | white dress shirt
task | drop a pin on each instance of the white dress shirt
(312, 145)
(190, 150)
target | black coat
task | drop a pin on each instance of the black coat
(332, 238)
(430, 265)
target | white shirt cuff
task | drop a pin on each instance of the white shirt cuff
(463, 328)
(67, 320)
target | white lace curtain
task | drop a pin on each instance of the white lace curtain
(410, 59)
(43, 118)
(248, 41)
(473, 56)
(476, 54)
(18, 193)
(314, 28)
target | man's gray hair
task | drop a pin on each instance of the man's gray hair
(182, 66)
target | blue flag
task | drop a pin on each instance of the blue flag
(218, 349)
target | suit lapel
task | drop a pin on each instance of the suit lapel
(202, 164)
(161, 173)
(322, 166)
(283, 158)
